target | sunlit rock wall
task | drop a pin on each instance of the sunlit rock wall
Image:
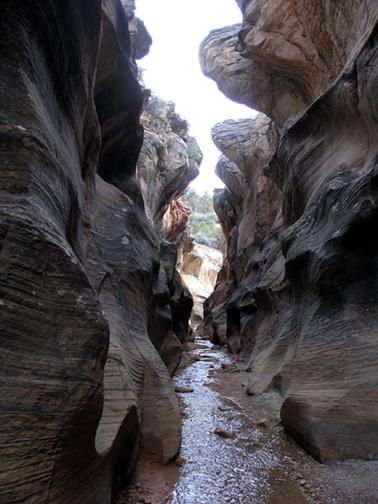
(285, 53)
(83, 387)
(300, 299)
(198, 266)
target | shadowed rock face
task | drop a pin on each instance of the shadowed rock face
(140, 38)
(246, 209)
(330, 249)
(168, 161)
(299, 301)
(83, 387)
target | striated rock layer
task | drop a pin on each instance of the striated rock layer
(198, 266)
(169, 160)
(246, 209)
(286, 52)
(297, 294)
(84, 293)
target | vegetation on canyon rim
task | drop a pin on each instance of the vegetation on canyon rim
(203, 222)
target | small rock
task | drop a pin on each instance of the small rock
(261, 423)
(180, 461)
(223, 408)
(184, 390)
(227, 366)
(302, 482)
(224, 433)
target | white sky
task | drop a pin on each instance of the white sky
(172, 69)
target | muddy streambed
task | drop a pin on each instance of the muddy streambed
(234, 449)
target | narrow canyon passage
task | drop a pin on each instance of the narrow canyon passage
(235, 451)
(189, 266)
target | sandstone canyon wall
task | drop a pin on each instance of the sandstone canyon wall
(198, 265)
(169, 160)
(84, 290)
(297, 293)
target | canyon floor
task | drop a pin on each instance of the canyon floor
(228, 456)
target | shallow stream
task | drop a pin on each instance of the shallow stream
(256, 463)
(221, 470)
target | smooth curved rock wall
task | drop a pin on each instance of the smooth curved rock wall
(286, 52)
(84, 389)
(299, 302)
(246, 208)
(168, 162)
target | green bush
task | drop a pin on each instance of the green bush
(203, 223)
(194, 150)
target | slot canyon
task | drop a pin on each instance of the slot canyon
(140, 364)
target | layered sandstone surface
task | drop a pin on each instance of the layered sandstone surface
(87, 315)
(198, 266)
(285, 53)
(169, 160)
(297, 294)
